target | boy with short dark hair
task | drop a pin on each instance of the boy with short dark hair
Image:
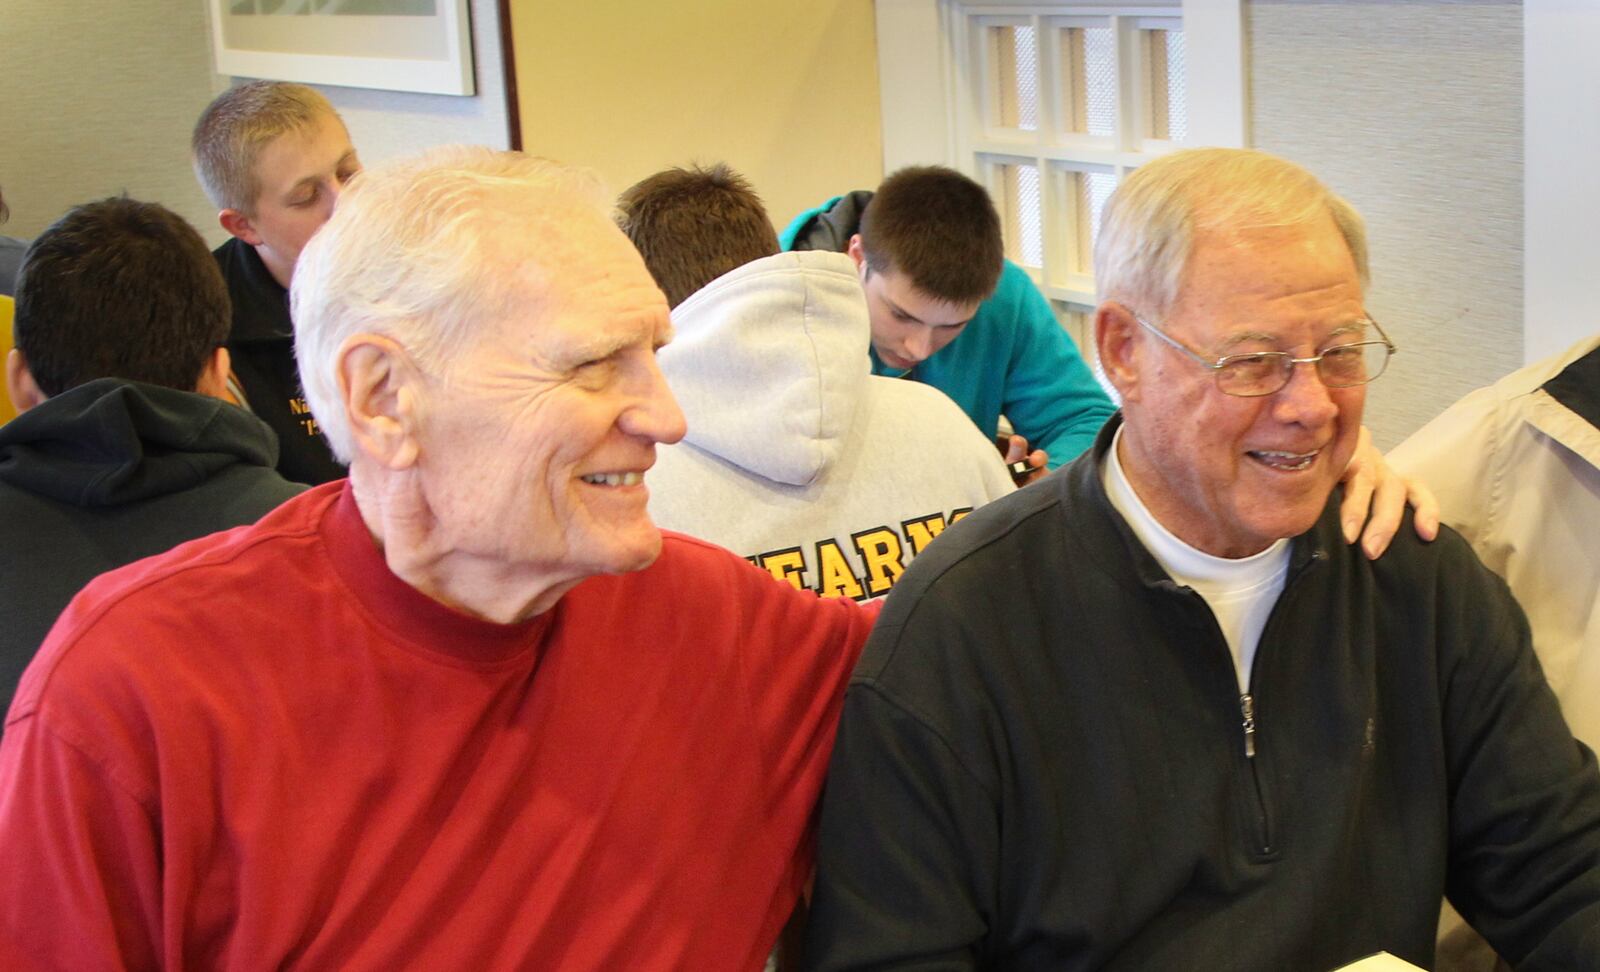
(125, 446)
(900, 230)
(692, 225)
(947, 308)
(85, 277)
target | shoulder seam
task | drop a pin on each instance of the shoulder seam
(106, 768)
(875, 687)
(208, 559)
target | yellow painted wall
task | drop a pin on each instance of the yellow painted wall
(785, 91)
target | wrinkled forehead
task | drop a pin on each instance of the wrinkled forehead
(1271, 269)
(585, 275)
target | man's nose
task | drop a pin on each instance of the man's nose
(656, 415)
(1305, 399)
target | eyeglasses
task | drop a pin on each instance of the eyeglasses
(1258, 373)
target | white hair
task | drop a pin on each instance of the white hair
(418, 250)
(1148, 228)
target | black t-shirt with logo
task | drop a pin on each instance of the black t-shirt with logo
(262, 346)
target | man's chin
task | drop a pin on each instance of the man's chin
(1289, 522)
(635, 553)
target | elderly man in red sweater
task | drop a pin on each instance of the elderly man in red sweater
(468, 709)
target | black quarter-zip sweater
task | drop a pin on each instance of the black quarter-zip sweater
(1042, 763)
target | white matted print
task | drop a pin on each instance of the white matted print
(400, 45)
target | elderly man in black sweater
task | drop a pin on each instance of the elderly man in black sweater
(1154, 713)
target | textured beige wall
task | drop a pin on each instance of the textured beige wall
(104, 95)
(785, 92)
(100, 100)
(1412, 109)
(385, 124)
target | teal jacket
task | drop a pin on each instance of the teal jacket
(1013, 359)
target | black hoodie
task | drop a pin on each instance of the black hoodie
(110, 472)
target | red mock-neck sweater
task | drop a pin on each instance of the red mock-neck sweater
(265, 750)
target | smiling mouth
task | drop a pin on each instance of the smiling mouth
(614, 479)
(1284, 461)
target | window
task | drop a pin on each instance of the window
(1050, 104)
(1059, 107)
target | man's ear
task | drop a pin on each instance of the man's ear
(24, 391)
(379, 385)
(1116, 342)
(214, 376)
(238, 224)
(856, 252)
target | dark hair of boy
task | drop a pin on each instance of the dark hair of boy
(119, 289)
(694, 225)
(938, 228)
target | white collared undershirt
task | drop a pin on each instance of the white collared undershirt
(1240, 592)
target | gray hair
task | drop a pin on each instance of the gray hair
(1148, 228)
(237, 125)
(420, 250)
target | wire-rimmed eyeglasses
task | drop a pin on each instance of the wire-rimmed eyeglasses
(1257, 373)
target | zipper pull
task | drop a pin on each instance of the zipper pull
(1247, 707)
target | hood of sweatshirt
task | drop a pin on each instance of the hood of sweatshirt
(108, 442)
(829, 226)
(769, 363)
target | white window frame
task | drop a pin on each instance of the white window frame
(933, 112)
(918, 60)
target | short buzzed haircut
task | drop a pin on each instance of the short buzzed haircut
(119, 289)
(693, 225)
(236, 126)
(940, 229)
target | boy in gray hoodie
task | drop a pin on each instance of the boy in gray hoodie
(797, 457)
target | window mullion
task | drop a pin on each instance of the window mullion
(1130, 84)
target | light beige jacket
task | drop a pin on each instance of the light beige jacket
(1518, 473)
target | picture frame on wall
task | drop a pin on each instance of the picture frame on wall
(397, 45)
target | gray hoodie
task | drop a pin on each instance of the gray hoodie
(797, 458)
